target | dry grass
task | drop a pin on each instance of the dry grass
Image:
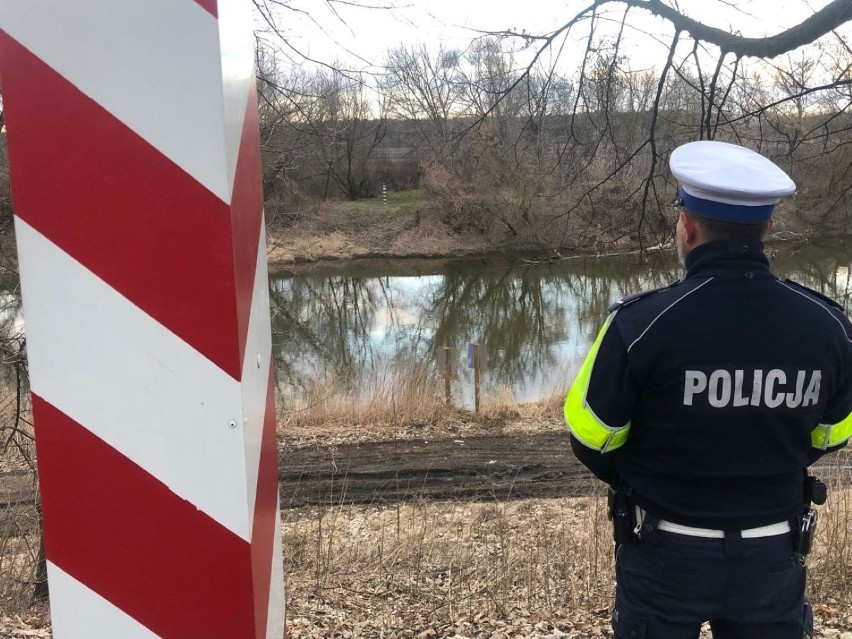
(405, 403)
(19, 547)
(530, 568)
(22, 580)
(408, 225)
(409, 403)
(20, 523)
(397, 401)
(830, 566)
(526, 568)
(522, 568)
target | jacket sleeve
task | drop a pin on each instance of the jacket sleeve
(835, 427)
(600, 403)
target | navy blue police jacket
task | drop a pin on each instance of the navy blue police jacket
(709, 398)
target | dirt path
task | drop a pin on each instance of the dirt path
(479, 467)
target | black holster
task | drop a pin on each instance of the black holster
(815, 492)
(622, 514)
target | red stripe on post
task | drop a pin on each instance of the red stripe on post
(128, 214)
(247, 215)
(211, 6)
(120, 548)
(265, 516)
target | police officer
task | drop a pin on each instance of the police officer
(705, 402)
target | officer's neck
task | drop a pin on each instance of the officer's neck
(724, 253)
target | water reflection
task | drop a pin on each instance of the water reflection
(354, 325)
(535, 319)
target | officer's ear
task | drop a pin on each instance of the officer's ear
(691, 229)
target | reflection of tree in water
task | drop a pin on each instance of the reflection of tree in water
(826, 271)
(323, 323)
(353, 329)
(510, 310)
(328, 326)
(597, 283)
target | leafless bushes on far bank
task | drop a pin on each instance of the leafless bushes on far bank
(557, 155)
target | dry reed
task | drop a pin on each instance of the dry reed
(519, 568)
(525, 568)
(394, 398)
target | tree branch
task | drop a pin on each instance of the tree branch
(823, 21)
(826, 20)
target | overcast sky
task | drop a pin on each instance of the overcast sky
(343, 31)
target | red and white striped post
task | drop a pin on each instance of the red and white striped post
(134, 151)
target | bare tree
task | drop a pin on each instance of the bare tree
(579, 158)
(352, 133)
(423, 87)
(602, 93)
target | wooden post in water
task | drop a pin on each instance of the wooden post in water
(476, 378)
(448, 369)
(135, 167)
(476, 359)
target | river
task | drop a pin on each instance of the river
(355, 326)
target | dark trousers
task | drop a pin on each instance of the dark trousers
(669, 584)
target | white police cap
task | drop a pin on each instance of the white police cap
(728, 182)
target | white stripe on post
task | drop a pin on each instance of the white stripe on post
(237, 75)
(256, 364)
(275, 622)
(145, 392)
(80, 612)
(134, 58)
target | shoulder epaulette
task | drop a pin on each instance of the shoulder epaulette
(825, 298)
(627, 300)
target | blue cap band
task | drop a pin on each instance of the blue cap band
(737, 213)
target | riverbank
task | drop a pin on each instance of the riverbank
(409, 224)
